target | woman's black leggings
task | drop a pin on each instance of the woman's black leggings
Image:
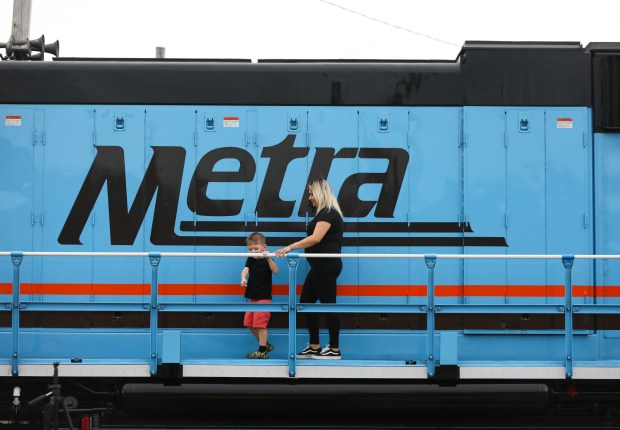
(320, 284)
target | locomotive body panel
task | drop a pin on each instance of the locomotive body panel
(479, 196)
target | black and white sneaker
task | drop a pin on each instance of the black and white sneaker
(308, 352)
(328, 354)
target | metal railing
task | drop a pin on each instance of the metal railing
(292, 307)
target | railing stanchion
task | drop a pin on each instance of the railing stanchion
(430, 261)
(568, 261)
(293, 260)
(154, 258)
(16, 258)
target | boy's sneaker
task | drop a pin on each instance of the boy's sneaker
(257, 354)
(328, 354)
(308, 352)
(269, 347)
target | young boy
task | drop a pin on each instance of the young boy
(258, 290)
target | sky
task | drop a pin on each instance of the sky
(307, 29)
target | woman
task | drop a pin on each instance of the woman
(324, 237)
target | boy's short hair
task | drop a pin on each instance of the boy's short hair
(256, 237)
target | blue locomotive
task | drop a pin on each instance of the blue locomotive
(481, 197)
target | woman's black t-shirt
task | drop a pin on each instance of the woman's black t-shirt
(332, 241)
(259, 279)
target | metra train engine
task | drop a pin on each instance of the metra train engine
(480, 196)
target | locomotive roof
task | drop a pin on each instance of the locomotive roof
(484, 73)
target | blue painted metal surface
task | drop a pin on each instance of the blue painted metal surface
(489, 172)
(474, 171)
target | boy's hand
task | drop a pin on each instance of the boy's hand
(244, 282)
(261, 255)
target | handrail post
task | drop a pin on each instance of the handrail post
(154, 258)
(293, 260)
(430, 260)
(16, 258)
(567, 261)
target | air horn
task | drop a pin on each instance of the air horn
(23, 49)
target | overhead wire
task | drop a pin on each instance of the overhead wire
(398, 27)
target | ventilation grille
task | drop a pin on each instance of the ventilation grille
(611, 92)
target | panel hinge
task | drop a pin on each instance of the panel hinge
(463, 139)
(38, 136)
(36, 217)
(463, 218)
(251, 137)
(585, 140)
(250, 217)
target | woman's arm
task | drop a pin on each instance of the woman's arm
(320, 230)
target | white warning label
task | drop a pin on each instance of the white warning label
(231, 121)
(13, 121)
(564, 123)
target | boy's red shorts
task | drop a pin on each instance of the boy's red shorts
(257, 319)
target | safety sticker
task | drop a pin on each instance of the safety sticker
(231, 121)
(13, 121)
(564, 123)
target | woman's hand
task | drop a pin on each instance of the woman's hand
(283, 251)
